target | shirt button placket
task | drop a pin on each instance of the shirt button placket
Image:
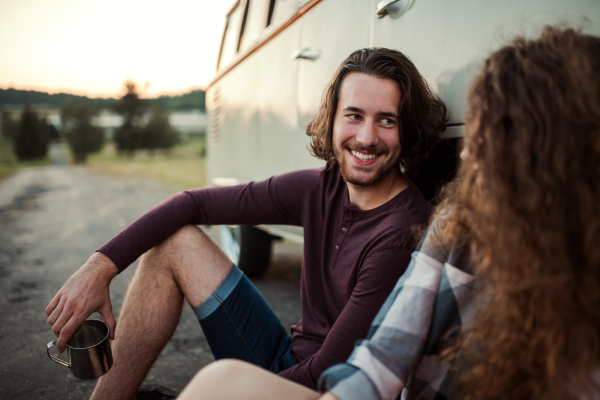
(346, 220)
(343, 231)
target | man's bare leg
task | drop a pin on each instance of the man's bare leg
(188, 264)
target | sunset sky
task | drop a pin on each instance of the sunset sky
(89, 47)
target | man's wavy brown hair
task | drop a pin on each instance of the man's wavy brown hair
(528, 201)
(422, 114)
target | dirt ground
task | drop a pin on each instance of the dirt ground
(51, 220)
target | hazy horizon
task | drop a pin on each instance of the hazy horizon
(115, 96)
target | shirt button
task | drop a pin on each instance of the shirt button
(343, 229)
(337, 247)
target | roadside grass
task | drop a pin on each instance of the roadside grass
(183, 166)
(9, 164)
(8, 160)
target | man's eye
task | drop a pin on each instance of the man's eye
(387, 121)
(354, 117)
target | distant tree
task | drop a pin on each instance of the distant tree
(159, 134)
(8, 126)
(129, 137)
(82, 136)
(31, 139)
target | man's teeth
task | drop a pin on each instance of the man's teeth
(362, 156)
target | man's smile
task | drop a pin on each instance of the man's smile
(364, 156)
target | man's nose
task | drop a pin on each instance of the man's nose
(367, 134)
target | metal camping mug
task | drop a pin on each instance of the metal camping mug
(89, 351)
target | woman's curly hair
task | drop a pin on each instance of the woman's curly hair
(527, 200)
(422, 114)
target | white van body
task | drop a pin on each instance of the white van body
(277, 57)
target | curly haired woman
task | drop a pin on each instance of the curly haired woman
(502, 297)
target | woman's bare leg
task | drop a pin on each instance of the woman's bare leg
(239, 380)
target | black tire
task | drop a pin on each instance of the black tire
(255, 251)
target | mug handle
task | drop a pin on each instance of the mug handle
(55, 359)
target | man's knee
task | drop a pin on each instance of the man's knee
(187, 238)
(188, 242)
(192, 260)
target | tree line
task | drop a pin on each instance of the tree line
(146, 126)
(194, 100)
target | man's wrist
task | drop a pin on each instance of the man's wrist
(103, 265)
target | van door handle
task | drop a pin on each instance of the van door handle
(305, 54)
(383, 7)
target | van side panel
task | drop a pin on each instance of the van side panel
(448, 40)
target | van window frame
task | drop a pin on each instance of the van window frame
(224, 70)
(226, 30)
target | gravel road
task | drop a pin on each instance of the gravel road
(51, 220)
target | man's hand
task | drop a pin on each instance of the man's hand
(84, 293)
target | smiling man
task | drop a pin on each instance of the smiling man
(366, 139)
(377, 119)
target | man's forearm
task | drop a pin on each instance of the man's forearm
(149, 230)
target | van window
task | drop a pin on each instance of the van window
(282, 9)
(256, 21)
(271, 8)
(231, 36)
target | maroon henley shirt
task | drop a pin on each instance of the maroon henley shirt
(352, 257)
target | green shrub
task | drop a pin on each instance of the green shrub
(82, 136)
(31, 138)
(159, 134)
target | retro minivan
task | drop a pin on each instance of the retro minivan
(277, 56)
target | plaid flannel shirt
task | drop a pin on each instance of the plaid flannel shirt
(400, 357)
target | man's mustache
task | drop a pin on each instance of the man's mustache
(356, 146)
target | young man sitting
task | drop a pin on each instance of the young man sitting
(378, 115)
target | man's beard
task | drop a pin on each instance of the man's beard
(375, 176)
